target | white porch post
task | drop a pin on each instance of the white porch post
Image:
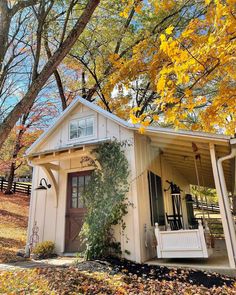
(227, 221)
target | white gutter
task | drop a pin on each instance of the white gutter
(230, 221)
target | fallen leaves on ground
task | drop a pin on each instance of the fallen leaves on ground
(13, 224)
(23, 282)
(71, 280)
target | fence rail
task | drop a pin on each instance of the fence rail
(205, 206)
(17, 187)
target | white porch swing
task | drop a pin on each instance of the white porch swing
(177, 242)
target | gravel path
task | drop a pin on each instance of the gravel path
(27, 264)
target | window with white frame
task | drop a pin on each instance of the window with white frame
(83, 127)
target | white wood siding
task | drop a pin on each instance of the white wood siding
(51, 219)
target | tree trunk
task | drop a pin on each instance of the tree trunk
(24, 105)
(4, 29)
(13, 167)
(10, 179)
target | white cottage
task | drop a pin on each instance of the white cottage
(181, 157)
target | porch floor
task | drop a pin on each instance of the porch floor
(218, 262)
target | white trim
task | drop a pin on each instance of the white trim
(225, 196)
(224, 217)
(128, 125)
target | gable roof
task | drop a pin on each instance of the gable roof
(128, 125)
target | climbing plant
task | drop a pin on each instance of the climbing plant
(105, 199)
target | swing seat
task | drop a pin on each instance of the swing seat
(175, 221)
(183, 243)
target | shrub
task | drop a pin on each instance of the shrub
(44, 249)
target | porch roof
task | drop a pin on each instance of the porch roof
(180, 149)
(63, 152)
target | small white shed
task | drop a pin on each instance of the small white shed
(158, 155)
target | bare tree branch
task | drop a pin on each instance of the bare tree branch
(27, 101)
(21, 5)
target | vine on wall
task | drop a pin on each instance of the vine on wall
(105, 199)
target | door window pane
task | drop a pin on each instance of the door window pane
(74, 203)
(81, 181)
(80, 202)
(74, 191)
(78, 184)
(87, 178)
(74, 181)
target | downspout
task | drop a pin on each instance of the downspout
(230, 221)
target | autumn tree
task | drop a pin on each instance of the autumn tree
(189, 68)
(22, 27)
(117, 32)
(26, 131)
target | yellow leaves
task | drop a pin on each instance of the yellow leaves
(187, 33)
(169, 30)
(168, 4)
(142, 129)
(186, 61)
(113, 57)
(130, 4)
(211, 39)
(188, 92)
(155, 117)
(161, 83)
(134, 119)
(156, 6)
(137, 49)
(164, 43)
(145, 123)
(182, 76)
(143, 126)
(162, 37)
(135, 109)
(138, 8)
(162, 5)
(164, 46)
(126, 11)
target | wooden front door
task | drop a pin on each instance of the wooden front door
(75, 210)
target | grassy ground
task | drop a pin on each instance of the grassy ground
(13, 224)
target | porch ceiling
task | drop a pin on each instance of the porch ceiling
(178, 151)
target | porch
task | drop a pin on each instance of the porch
(217, 262)
(197, 159)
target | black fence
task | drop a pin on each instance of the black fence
(17, 187)
(205, 206)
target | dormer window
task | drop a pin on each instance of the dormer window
(80, 128)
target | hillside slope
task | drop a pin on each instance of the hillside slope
(13, 225)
